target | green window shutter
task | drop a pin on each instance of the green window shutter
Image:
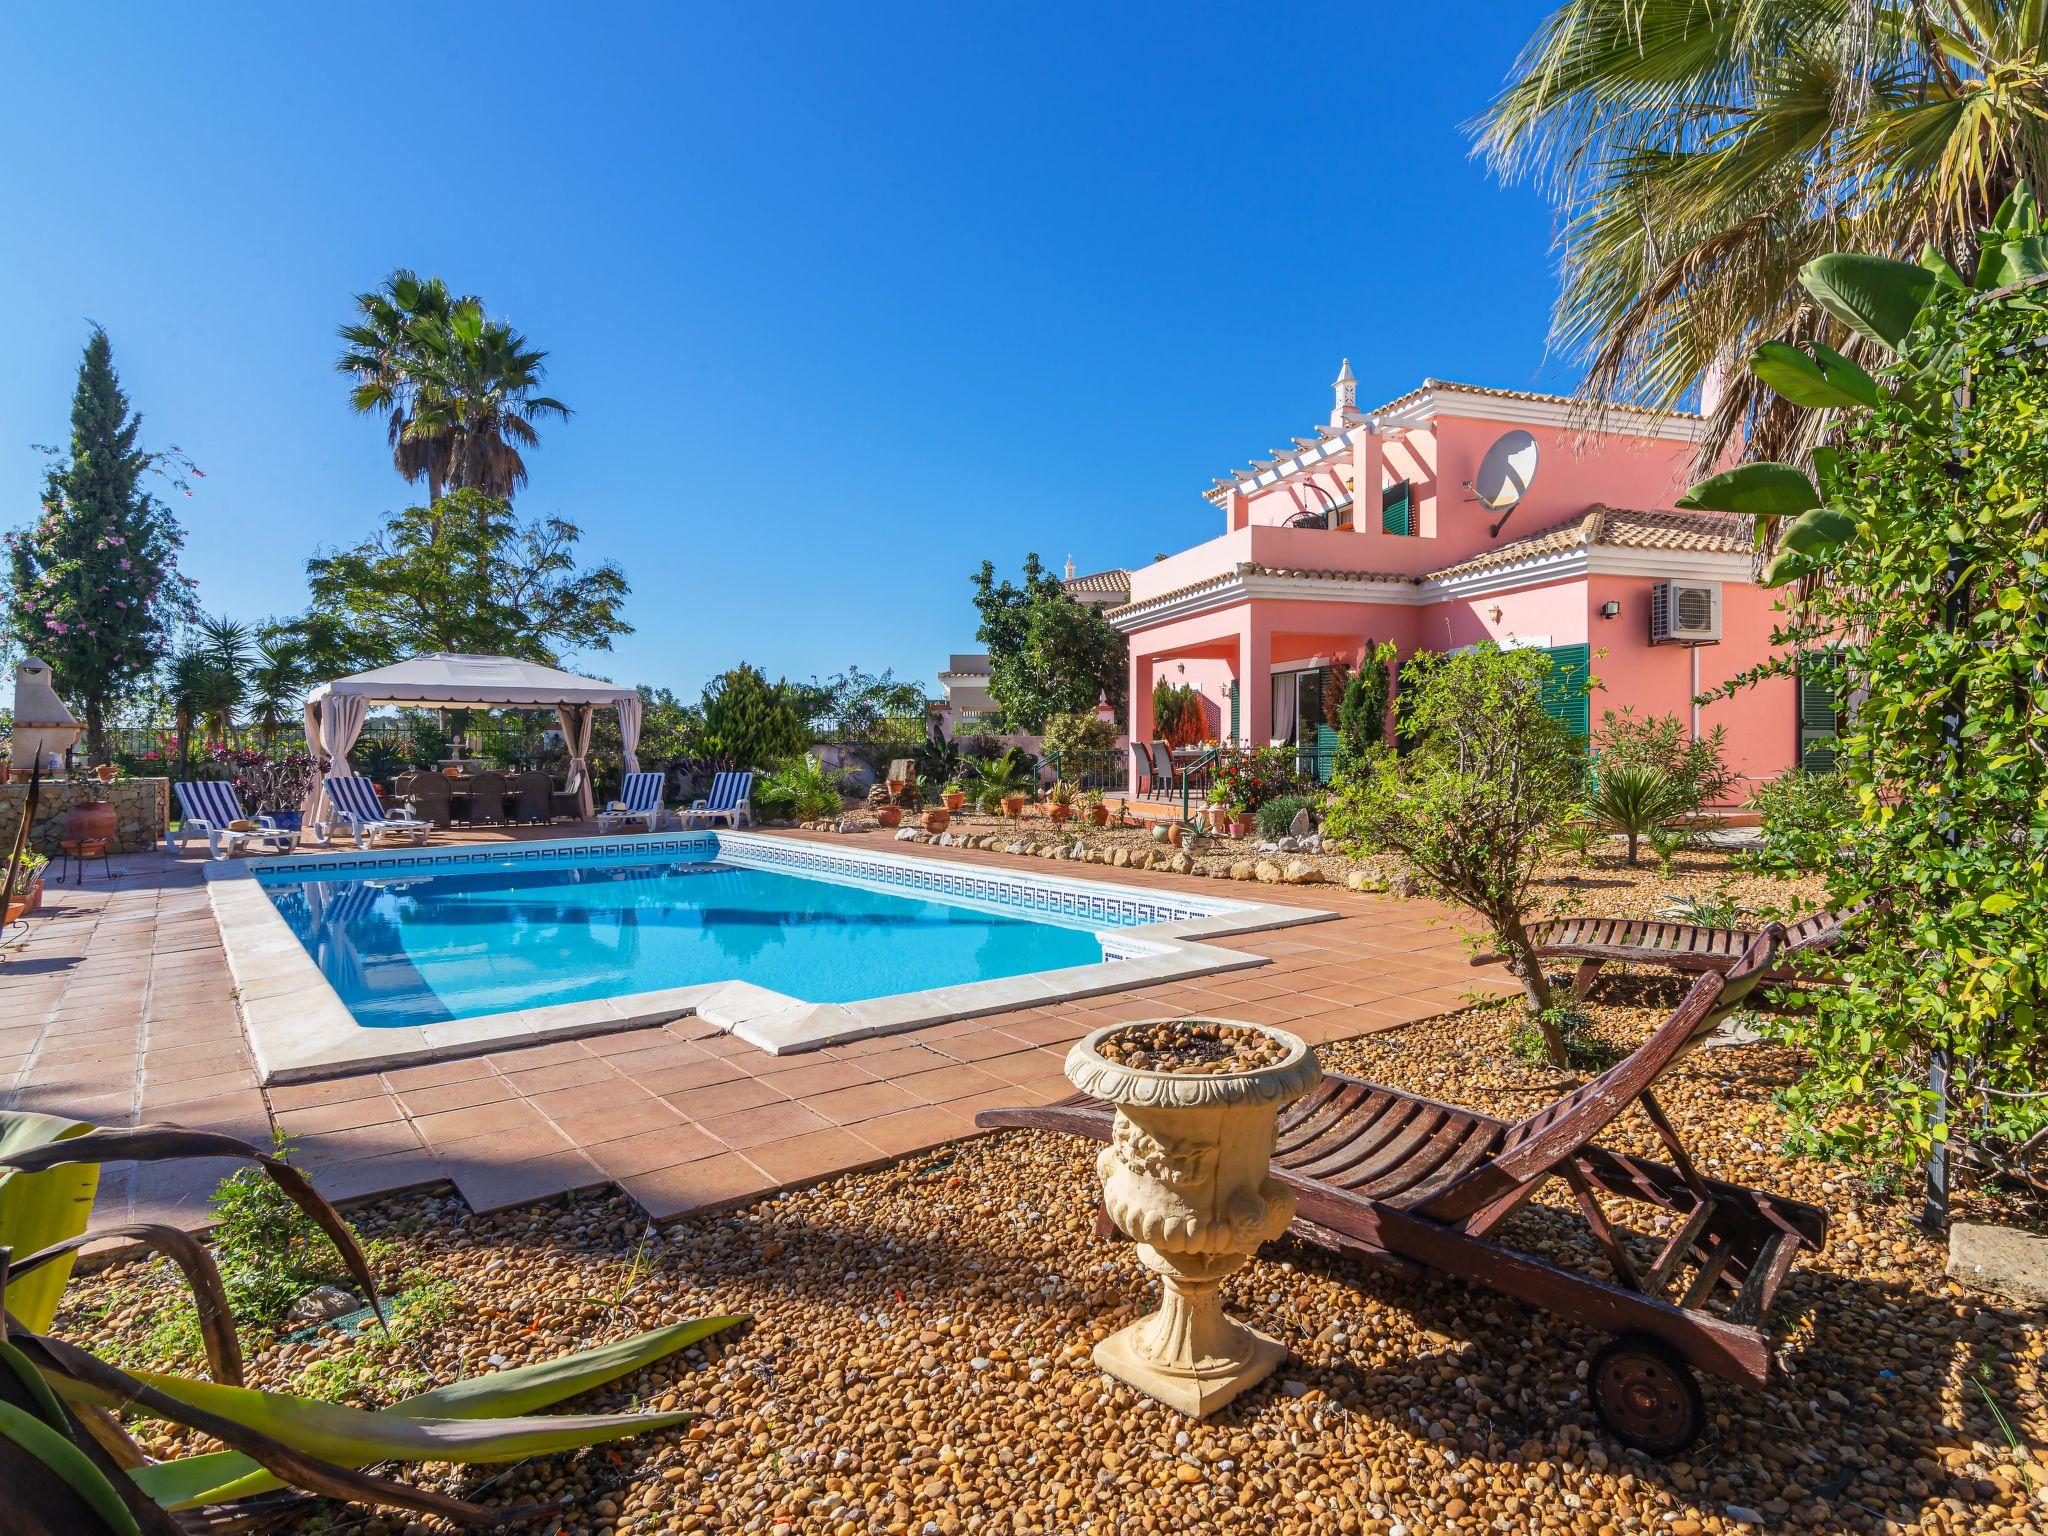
(1233, 709)
(1395, 510)
(1819, 712)
(1566, 698)
(1325, 760)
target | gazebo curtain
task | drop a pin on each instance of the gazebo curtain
(575, 720)
(332, 726)
(630, 710)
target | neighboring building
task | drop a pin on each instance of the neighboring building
(966, 677)
(1454, 515)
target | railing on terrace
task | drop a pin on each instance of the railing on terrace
(1102, 769)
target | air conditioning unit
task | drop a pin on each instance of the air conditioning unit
(1685, 613)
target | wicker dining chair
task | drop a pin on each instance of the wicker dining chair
(486, 797)
(530, 796)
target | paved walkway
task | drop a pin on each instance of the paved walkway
(119, 1008)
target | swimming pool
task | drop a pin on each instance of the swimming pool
(345, 959)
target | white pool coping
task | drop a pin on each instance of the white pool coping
(300, 1029)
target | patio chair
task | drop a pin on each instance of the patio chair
(1685, 947)
(1163, 778)
(353, 801)
(430, 795)
(486, 798)
(210, 807)
(641, 794)
(530, 792)
(730, 800)
(1141, 761)
(1419, 1188)
(566, 803)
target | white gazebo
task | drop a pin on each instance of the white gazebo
(439, 680)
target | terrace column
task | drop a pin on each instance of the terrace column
(1368, 468)
(1254, 680)
(1139, 713)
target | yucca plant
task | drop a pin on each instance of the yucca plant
(1635, 800)
(70, 1469)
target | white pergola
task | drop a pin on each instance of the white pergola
(440, 680)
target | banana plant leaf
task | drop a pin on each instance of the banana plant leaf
(219, 1476)
(1762, 489)
(41, 1209)
(1874, 296)
(1823, 380)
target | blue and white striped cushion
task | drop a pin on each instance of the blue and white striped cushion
(355, 796)
(212, 801)
(642, 791)
(729, 790)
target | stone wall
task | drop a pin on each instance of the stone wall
(140, 809)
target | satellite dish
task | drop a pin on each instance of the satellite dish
(1506, 471)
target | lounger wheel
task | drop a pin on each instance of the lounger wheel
(1646, 1395)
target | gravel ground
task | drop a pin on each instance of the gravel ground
(919, 1357)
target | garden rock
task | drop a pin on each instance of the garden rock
(1269, 873)
(2000, 1260)
(321, 1304)
(1243, 869)
(1300, 872)
(1301, 826)
(1180, 863)
(906, 835)
(1288, 844)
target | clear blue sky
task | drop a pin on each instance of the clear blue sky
(845, 298)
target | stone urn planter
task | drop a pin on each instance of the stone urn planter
(1187, 1175)
(937, 819)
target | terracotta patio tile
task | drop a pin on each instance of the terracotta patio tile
(864, 1101)
(366, 1177)
(334, 1090)
(911, 1130)
(644, 1050)
(981, 1045)
(500, 1149)
(649, 1150)
(593, 1098)
(329, 1148)
(819, 1077)
(666, 1193)
(458, 1095)
(432, 1074)
(560, 1074)
(677, 1079)
(764, 1123)
(527, 1058)
(904, 1061)
(949, 1083)
(345, 1115)
(508, 1115)
(497, 1188)
(723, 1098)
(803, 1158)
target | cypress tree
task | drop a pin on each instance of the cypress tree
(750, 720)
(94, 584)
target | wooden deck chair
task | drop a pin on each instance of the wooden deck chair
(1419, 1187)
(1686, 947)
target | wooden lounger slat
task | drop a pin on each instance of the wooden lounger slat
(1351, 1141)
(1362, 1167)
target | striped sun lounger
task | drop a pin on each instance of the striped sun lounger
(353, 801)
(209, 807)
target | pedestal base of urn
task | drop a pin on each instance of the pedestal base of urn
(1190, 1354)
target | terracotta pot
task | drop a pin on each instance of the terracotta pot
(1241, 824)
(105, 772)
(896, 786)
(889, 815)
(27, 901)
(1059, 812)
(1098, 815)
(954, 798)
(90, 822)
(1173, 835)
(1013, 807)
(937, 819)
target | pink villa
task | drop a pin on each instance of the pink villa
(1456, 515)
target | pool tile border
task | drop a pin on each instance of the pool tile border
(299, 1029)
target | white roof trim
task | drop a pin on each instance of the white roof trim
(1599, 560)
(1566, 415)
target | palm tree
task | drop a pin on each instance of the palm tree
(277, 678)
(460, 393)
(1701, 152)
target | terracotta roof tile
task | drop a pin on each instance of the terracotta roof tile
(1100, 581)
(1521, 394)
(1616, 527)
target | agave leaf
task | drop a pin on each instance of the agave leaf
(38, 1209)
(68, 1463)
(1874, 296)
(1762, 489)
(219, 1476)
(1826, 379)
(209, 1295)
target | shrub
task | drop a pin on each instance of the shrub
(1277, 815)
(991, 780)
(1696, 767)
(801, 789)
(1362, 713)
(1472, 807)
(1529, 1038)
(1805, 817)
(751, 721)
(1635, 800)
(1079, 733)
(1250, 776)
(1179, 717)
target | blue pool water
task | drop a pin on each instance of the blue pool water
(489, 937)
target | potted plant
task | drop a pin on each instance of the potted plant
(937, 818)
(1006, 782)
(1096, 811)
(1059, 801)
(889, 815)
(1218, 809)
(28, 885)
(954, 795)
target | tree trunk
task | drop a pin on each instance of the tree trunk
(1524, 965)
(95, 730)
(1634, 840)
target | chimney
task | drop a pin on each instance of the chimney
(1070, 567)
(1346, 389)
